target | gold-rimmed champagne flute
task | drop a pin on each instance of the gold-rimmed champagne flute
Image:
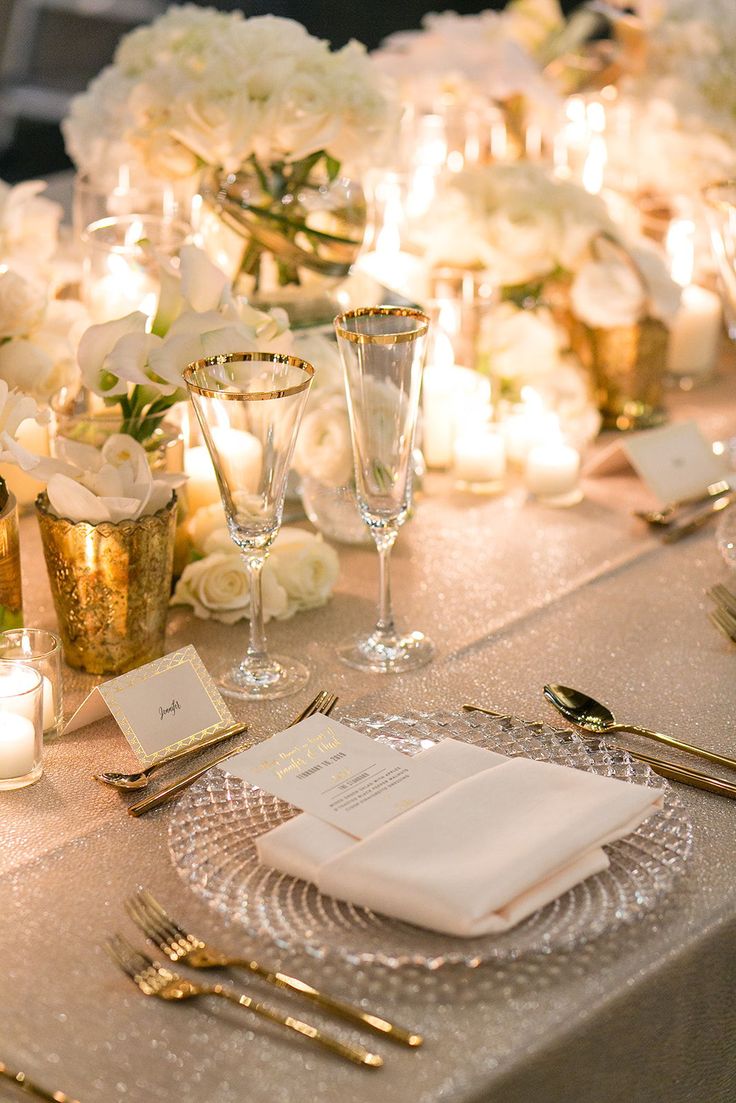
(249, 406)
(382, 350)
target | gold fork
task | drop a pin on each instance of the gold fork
(179, 945)
(324, 702)
(156, 980)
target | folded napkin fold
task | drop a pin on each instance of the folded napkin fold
(507, 836)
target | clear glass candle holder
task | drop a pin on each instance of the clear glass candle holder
(41, 650)
(121, 263)
(21, 725)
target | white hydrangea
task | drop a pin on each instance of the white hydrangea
(201, 86)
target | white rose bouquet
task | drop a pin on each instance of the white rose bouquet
(300, 573)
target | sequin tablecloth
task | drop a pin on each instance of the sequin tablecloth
(514, 595)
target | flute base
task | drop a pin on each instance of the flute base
(382, 654)
(277, 676)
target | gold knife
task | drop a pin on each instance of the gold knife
(173, 790)
(676, 532)
(673, 771)
(29, 1086)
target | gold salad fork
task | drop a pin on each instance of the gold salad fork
(155, 979)
(181, 946)
(324, 703)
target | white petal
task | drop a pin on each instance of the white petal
(73, 501)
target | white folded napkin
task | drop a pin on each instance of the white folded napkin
(505, 838)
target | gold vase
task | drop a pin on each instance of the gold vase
(111, 585)
(627, 366)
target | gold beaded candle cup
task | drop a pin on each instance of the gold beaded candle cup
(111, 585)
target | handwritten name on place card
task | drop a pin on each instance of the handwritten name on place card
(345, 778)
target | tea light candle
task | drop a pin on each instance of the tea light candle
(121, 293)
(528, 425)
(17, 745)
(35, 438)
(553, 472)
(695, 333)
(480, 457)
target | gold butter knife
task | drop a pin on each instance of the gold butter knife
(139, 779)
(26, 1085)
(173, 790)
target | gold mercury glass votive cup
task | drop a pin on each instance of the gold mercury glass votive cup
(111, 585)
(627, 366)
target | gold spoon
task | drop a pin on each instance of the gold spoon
(139, 779)
(592, 716)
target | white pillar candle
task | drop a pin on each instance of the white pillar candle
(480, 456)
(526, 428)
(17, 745)
(553, 472)
(121, 293)
(695, 334)
(438, 421)
(14, 691)
(202, 489)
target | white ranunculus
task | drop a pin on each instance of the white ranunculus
(306, 567)
(22, 305)
(324, 448)
(324, 357)
(217, 587)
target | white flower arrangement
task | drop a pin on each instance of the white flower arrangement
(198, 316)
(466, 56)
(201, 87)
(516, 221)
(299, 574)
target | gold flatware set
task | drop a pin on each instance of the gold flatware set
(182, 947)
(21, 1080)
(724, 614)
(587, 713)
(679, 519)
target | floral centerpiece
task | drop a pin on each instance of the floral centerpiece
(272, 115)
(559, 262)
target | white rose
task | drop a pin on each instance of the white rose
(22, 305)
(323, 448)
(218, 587)
(208, 530)
(608, 294)
(306, 567)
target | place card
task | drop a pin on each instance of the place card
(339, 775)
(675, 461)
(161, 708)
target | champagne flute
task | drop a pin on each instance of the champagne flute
(249, 406)
(720, 209)
(382, 350)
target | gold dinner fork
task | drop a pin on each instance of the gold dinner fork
(179, 945)
(324, 703)
(155, 979)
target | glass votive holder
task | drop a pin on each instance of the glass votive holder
(39, 650)
(121, 190)
(21, 727)
(121, 265)
(479, 460)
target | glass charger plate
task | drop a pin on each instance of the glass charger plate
(212, 843)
